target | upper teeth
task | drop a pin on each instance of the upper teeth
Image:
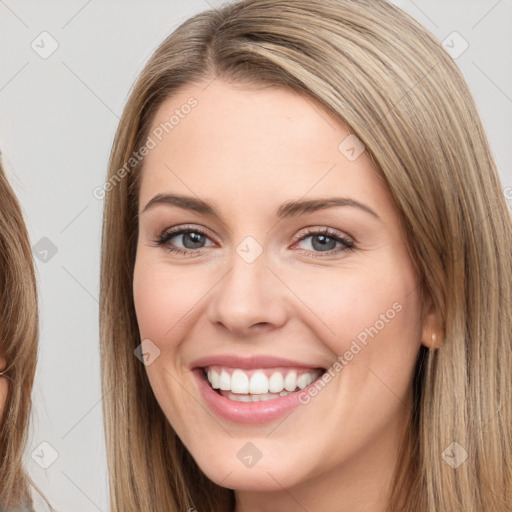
(260, 381)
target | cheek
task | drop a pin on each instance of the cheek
(349, 304)
(371, 320)
(162, 299)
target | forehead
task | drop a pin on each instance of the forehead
(247, 143)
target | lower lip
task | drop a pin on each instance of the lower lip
(246, 412)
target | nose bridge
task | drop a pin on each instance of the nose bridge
(247, 295)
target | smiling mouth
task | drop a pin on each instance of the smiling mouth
(259, 385)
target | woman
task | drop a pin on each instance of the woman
(305, 292)
(18, 348)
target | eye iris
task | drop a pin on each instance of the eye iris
(197, 240)
(324, 242)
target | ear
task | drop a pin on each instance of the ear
(432, 329)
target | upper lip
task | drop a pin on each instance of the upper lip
(249, 362)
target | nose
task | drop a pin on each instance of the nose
(249, 299)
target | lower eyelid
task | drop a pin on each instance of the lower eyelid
(344, 243)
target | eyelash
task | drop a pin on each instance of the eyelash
(163, 240)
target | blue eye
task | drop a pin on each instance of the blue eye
(322, 241)
(325, 241)
(190, 239)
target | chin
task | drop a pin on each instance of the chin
(271, 473)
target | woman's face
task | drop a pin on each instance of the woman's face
(269, 251)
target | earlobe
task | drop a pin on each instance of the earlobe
(431, 336)
(432, 332)
(433, 341)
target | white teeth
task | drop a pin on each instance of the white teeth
(239, 382)
(214, 378)
(257, 382)
(224, 381)
(276, 383)
(305, 380)
(302, 381)
(252, 398)
(290, 381)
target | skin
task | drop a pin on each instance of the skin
(248, 151)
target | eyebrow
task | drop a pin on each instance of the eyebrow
(289, 209)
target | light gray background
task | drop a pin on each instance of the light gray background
(57, 122)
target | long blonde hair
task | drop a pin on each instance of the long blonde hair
(19, 331)
(386, 78)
